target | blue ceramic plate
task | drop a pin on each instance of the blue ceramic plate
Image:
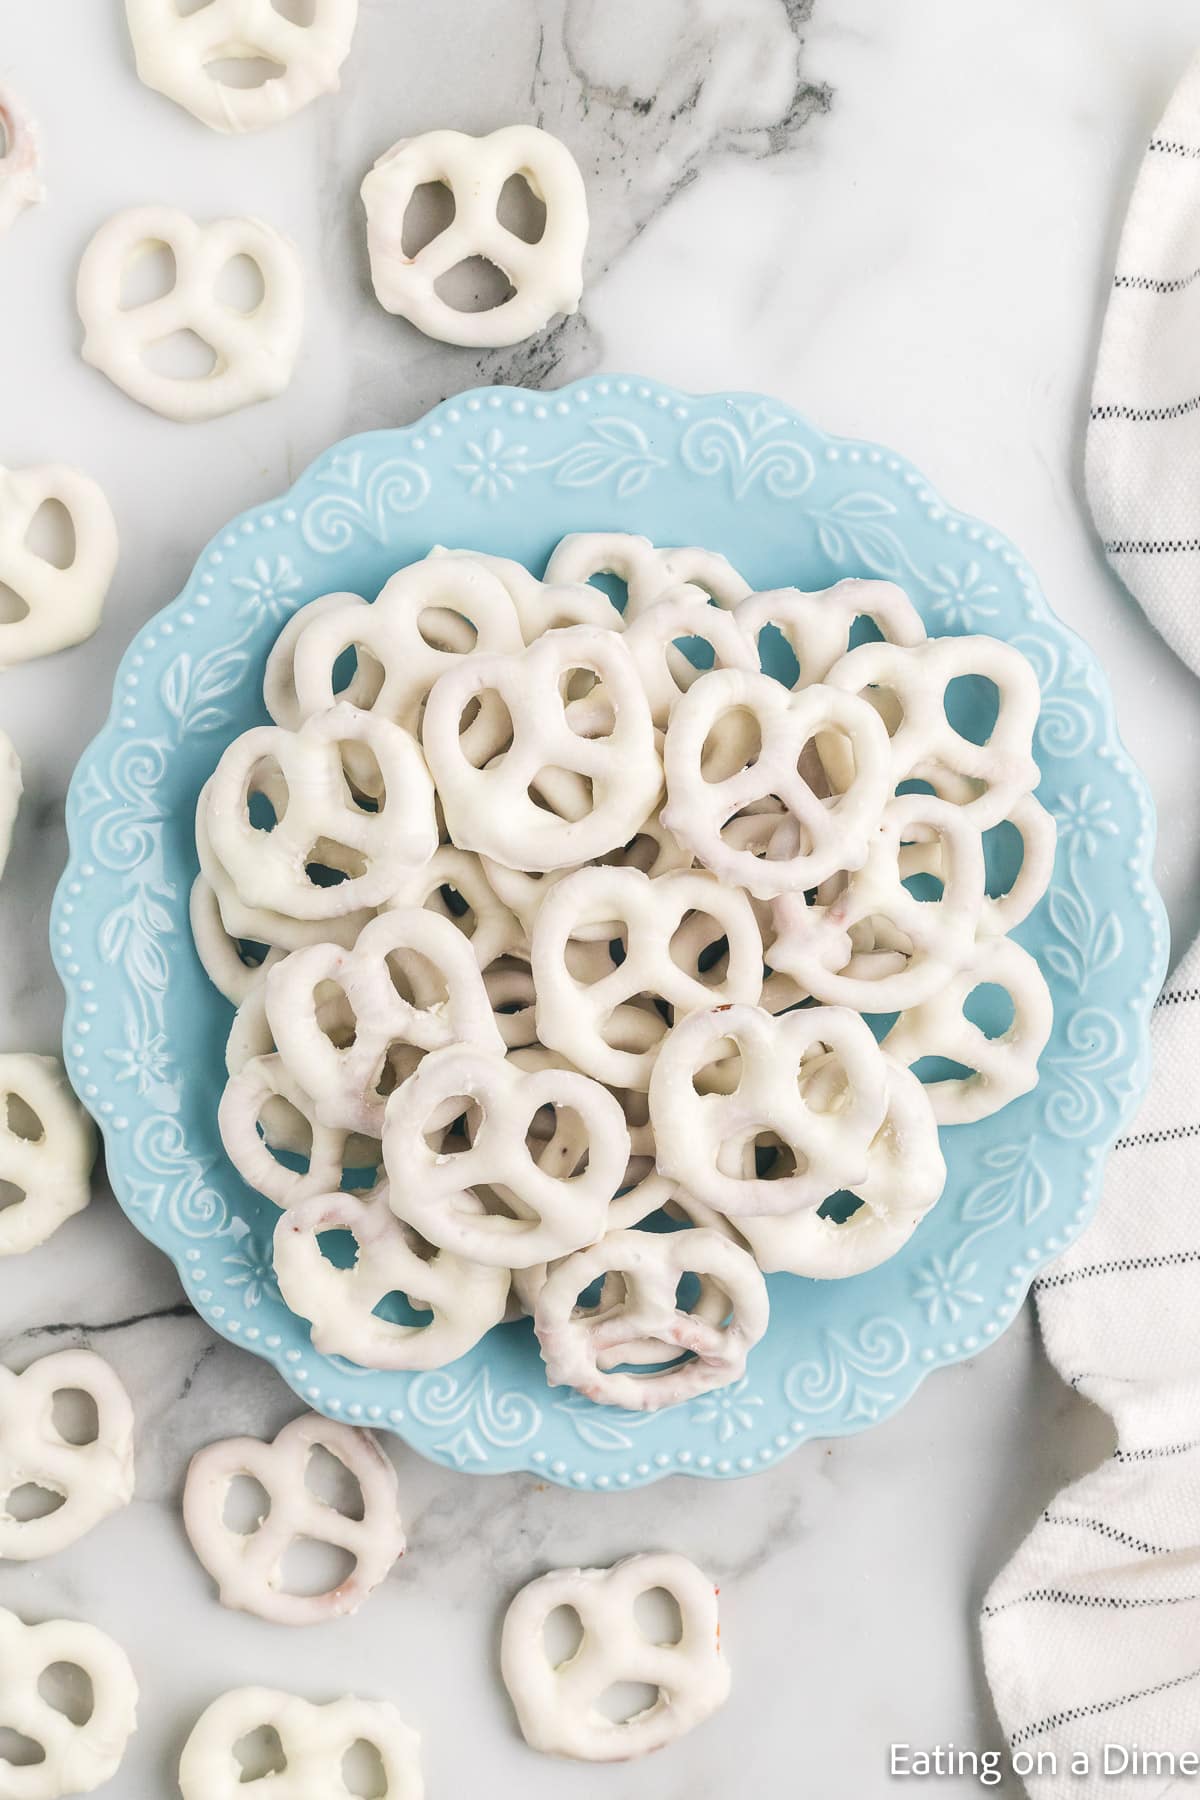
(510, 472)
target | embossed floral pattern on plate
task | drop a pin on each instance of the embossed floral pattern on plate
(510, 472)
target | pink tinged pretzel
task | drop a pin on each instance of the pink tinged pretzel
(1002, 1067)
(221, 956)
(255, 351)
(47, 1148)
(463, 1299)
(10, 795)
(547, 276)
(827, 1128)
(92, 1480)
(874, 945)
(909, 684)
(315, 1741)
(411, 984)
(558, 1707)
(491, 810)
(454, 885)
(176, 56)
(247, 1119)
(545, 1205)
(817, 626)
(322, 824)
(76, 1758)
(20, 183)
(637, 1319)
(816, 836)
(248, 1567)
(62, 605)
(666, 926)
(647, 571)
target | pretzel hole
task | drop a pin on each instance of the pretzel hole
(734, 742)
(521, 211)
(19, 1751)
(972, 706)
(452, 1128)
(150, 273)
(777, 658)
(929, 1069)
(558, 1139)
(363, 1773)
(247, 1504)
(68, 1690)
(240, 285)
(283, 1128)
(267, 794)
(687, 658)
(486, 745)
(446, 630)
(180, 356)
(328, 864)
(75, 1416)
(700, 948)
(329, 1480)
(563, 793)
(32, 1501)
(656, 1612)
(417, 980)
(397, 1308)
(51, 534)
(429, 212)
(21, 1120)
(840, 1207)
(333, 1014)
(12, 607)
(562, 1635)
(924, 887)
(474, 285)
(989, 1007)
(297, 12)
(10, 1195)
(774, 1160)
(260, 1754)
(720, 1071)
(312, 1567)
(1003, 858)
(362, 776)
(626, 1701)
(185, 8)
(243, 71)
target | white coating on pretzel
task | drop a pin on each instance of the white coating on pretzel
(279, 677)
(543, 605)
(255, 351)
(551, 1207)
(463, 1299)
(489, 809)
(54, 1168)
(63, 604)
(177, 54)
(91, 1479)
(248, 1567)
(314, 1741)
(546, 276)
(658, 641)
(665, 924)
(249, 1098)
(77, 1758)
(220, 954)
(20, 182)
(647, 571)
(817, 836)
(702, 1137)
(581, 1345)
(817, 626)
(455, 885)
(557, 1707)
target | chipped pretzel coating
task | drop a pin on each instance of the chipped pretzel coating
(53, 1169)
(315, 1741)
(76, 1758)
(557, 1707)
(91, 1479)
(248, 1566)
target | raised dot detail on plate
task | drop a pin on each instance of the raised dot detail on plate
(623, 1479)
(558, 1467)
(538, 1456)
(745, 1463)
(926, 1354)
(602, 1481)
(662, 1459)
(642, 1469)
(396, 1415)
(724, 1466)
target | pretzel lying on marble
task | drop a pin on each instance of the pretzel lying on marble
(248, 1566)
(91, 1480)
(315, 1741)
(76, 1758)
(63, 604)
(52, 1165)
(558, 1707)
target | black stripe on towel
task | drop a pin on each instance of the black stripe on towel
(1117, 1266)
(1156, 1452)
(1153, 284)
(1143, 415)
(1172, 147)
(1170, 1135)
(1051, 1723)
(1178, 997)
(1114, 1602)
(1111, 1532)
(1151, 546)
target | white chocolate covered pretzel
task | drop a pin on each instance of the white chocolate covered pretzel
(647, 571)
(248, 1566)
(558, 1707)
(91, 1480)
(411, 984)
(20, 182)
(817, 835)
(322, 825)
(546, 276)
(221, 955)
(179, 55)
(254, 351)
(47, 1148)
(246, 1117)
(580, 1344)
(544, 605)
(659, 640)
(76, 1758)
(817, 626)
(315, 1742)
(62, 604)
(11, 788)
(491, 809)
(455, 885)
(666, 926)
(1003, 1066)
(279, 677)
(544, 1206)
(702, 1138)
(652, 849)
(463, 1299)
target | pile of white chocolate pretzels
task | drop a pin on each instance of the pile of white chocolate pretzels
(538, 932)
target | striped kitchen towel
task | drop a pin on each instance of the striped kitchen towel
(1091, 1635)
(1143, 441)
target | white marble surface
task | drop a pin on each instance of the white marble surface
(900, 219)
